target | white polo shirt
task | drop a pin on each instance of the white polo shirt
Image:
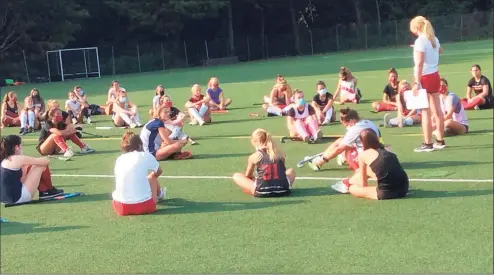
(131, 177)
(431, 55)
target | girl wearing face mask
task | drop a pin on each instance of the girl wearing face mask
(113, 93)
(347, 87)
(39, 105)
(22, 176)
(303, 117)
(323, 104)
(10, 110)
(160, 92)
(280, 99)
(76, 110)
(156, 140)
(54, 134)
(455, 117)
(198, 106)
(271, 179)
(28, 118)
(215, 93)
(388, 102)
(174, 123)
(125, 112)
(404, 116)
(482, 88)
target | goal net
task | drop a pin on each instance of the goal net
(73, 64)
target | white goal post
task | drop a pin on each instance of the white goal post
(73, 63)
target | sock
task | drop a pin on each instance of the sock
(45, 183)
(30, 117)
(408, 121)
(194, 113)
(313, 128)
(203, 110)
(126, 118)
(136, 119)
(61, 143)
(23, 120)
(329, 115)
(274, 110)
(77, 141)
(346, 182)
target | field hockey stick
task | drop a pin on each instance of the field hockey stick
(93, 135)
(283, 139)
(59, 158)
(258, 104)
(56, 198)
(307, 159)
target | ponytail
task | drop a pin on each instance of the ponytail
(7, 146)
(421, 24)
(429, 33)
(264, 138)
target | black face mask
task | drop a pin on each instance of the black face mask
(162, 93)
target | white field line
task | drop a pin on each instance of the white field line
(298, 178)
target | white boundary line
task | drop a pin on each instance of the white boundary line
(298, 178)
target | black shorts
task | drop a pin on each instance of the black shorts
(388, 195)
(489, 103)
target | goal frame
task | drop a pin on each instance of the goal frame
(60, 60)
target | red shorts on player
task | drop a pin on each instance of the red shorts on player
(125, 209)
(431, 82)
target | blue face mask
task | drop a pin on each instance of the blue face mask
(300, 101)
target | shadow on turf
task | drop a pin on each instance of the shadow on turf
(485, 131)
(436, 164)
(237, 120)
(18, 228)
(183, 206)
(312, 192)
(473, 146)
(420, 193)
(218, 156)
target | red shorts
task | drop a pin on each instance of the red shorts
(431, 82)
(125, 209)
(384, 107)
(351, 157)
(281, 106)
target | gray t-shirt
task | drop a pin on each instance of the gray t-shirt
(352, 135)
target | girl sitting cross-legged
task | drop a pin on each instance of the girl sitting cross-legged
(76, 109)
(217, 96)
(10, 110)
(323, 104)
(28, 117)
(404, 116)
(271, 178)
(125, 112)
(198, 106)
(55, 132)
(175, 120)
(302, 117)
(279, 99)
(21, 177)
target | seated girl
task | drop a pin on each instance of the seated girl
(271, 179)
(198, 107)
(175, 122)
(125, 112)
(28, 118)
(160, 92)
(39, 105)
(280, 98)
(10, 111)
(388, 102)
(22, 176)
(304, 120)
(455, 117)
(377, 163)
(347, 87)
(323, 104)
(113, 93)
(481, 86)
(405, 117)
(76, 109)
(215, 93)
(156, 138)
(93, 109)
(55, 132)
(137, 189)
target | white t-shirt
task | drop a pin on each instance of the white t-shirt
(113, 93)
(156, 101)
(431, 55)
(352, 135)
(74, 106)
(131, 177)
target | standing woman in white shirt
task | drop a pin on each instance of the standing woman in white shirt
(426, 52)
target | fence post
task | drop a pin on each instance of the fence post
(186, 57)
(25, 65)
(267, 48)
(461, 28)
(207, 50)
(396, 32)
(248, 49)
(163, 55)
(337, 39)
(113, 60)
(366, 35)
(311, 43)
(227, 48)
(138, 58)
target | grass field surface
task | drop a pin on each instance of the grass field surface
(207, 225)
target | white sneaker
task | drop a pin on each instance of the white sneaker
(68, 153)
(201, 122)
(162, 194)
(133, 125)
(340, 160)
(340, 187)
(89, 120)
(387, 118)
(87, 150)
(319, 135)
(139, 124)
(193, 122)
(74, 121)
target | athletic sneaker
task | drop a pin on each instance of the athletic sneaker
(387, 118)
(340, 187)
(68, 153)
(439, 144)
(424, 148)
(340, 160)
(139, 124)
(193, 122)
(162, 194)
(22, 131)
(314, 166)
(74, 121)
(319, 135)
(50, 193)
(86, 150)
(89, 120)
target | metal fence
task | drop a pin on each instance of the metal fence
(147, 57)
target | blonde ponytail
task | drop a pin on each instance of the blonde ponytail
(429, 33)
(264, 138)
(421, 24)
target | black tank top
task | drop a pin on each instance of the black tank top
(390, 175)
(12, 109)
(271, 180)
(10, 185)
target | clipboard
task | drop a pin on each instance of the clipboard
(421, 101)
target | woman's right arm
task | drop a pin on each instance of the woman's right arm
(19, 161)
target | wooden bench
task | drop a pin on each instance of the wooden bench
(220, 61)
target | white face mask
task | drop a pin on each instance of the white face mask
(123, 99)
(322, 91)
(30, 106)
(73, 99)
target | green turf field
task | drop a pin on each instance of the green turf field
(208, 225)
